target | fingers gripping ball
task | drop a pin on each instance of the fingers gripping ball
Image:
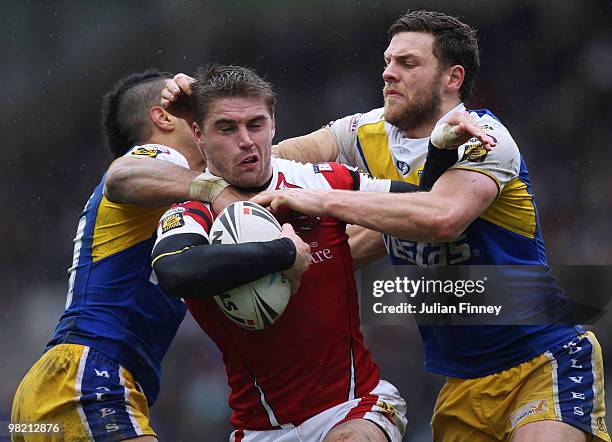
(258, 304)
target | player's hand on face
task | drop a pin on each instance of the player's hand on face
(302, 257)
(176, 96)
(305, 201)
(457, 129)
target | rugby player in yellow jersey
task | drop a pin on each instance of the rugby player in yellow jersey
(519, 383)
(101, 369)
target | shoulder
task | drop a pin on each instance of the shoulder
(352, 123)
(488, 121)
(316, 175)
(178, 215)
(492, 125)
(502, 163)
(159, 152)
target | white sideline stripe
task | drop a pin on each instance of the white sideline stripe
(78, 243)
(595, 383)
(128, 407)
(555, 384)
(271, 415)
(79, 392)
(352, 385)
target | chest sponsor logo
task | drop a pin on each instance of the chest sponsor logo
(319, 256)
(173, 221)
(428, 255)
(403, 167)
(303, 223)
(530, 409)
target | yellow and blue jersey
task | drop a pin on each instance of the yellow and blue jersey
(507, 233)
(114, 304)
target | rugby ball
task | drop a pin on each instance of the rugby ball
(258, 304)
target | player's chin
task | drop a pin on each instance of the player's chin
(392, 111)
(248, 180)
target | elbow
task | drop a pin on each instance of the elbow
(446, 227)
(177, 280)
(169, 281)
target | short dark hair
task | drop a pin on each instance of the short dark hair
(454, 42)
(125, 116)
(214, 81)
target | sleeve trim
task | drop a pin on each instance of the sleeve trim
(490, 175)
(169, 253)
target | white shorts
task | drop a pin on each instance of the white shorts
(384, 406)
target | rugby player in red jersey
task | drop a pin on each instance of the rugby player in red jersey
(309, 376)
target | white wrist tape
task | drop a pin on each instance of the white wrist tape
(444, 136)
(206, 187)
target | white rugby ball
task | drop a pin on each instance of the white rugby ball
(258, 304)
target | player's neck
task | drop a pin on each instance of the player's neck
(192, 154)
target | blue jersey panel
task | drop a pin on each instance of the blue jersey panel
(117, 310)
(532, 291)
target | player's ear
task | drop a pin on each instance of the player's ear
(161, 119)
(456, 74)
(197, 133)
(273, 126)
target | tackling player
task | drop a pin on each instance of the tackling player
(520, 383)
(309, 376)
(101, 369)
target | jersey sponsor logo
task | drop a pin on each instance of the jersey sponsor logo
(601, 425)
(533, 407)
(106, 411)
(387, 410)
(172, 221)
(320, 256)
(174, 210)
(431, 255)
(102, 373)
(158, 147)
(303, 223)
(322, 167)
(475, 153)
(355, 122)
(99, 396)
(111, 427)
(403, 167)
(150, 152)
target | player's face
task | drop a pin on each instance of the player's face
(237, 140)
(412, 91)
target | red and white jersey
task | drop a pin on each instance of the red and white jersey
(313, 357)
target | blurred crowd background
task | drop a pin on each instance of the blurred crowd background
(546, 72)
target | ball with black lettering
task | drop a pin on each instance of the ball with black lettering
(258, 304)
